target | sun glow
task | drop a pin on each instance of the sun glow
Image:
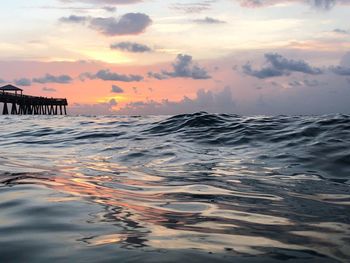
(107, 56)
(118, 98)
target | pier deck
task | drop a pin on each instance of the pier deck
(28, 105)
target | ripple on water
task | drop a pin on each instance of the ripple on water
(197, 187)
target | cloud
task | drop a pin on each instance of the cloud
(128, 24)
(48, 78)
(107, 75)
(341, 31)
(23, 82)
(110, 8)
(218, 102)
(340, 70)
(305, 83)
(2, 81)
(196, 7)
(277, 65)
(343, 69)
(183, 67)
(263, 73)
(103, 2)
(105, 108)
(209, 20)
(73, 19)
(46, 89)
(323, 4)
(116, 89)
(159, 76)
(131, 47)
(318, 4)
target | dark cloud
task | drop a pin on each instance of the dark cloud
(267, 72)
(209, 20)
(48, 78)
(128, 24)
(183, 67)
(131, 47)
(46, 89)
(279, 62)
(74, 19)
(220, 102)
(107, 75)
(277, 65)
(341, 31)
(116, 89)
(23, 82)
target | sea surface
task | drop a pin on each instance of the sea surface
(190, 188)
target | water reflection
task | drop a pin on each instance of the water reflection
(237, 217)
(175, 192)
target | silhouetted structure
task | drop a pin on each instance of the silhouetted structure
(24, 104)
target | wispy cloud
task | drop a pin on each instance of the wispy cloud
(107, 75)
(46, 89)
(25, 82)
(318, 4)
(74, 19)
(48, 78)
(131, 47)
(103, 2)
(209, 20)
(194, 7)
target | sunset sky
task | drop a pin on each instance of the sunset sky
(169, 57)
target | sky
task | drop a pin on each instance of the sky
(140, 57)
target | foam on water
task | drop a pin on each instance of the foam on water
(193, 187)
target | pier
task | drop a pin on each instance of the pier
(15, 103)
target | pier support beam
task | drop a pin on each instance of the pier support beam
(5, 110)
(14, 109)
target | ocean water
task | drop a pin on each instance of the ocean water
(192, 188)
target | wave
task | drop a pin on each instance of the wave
(309, 141)
(225, 187)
